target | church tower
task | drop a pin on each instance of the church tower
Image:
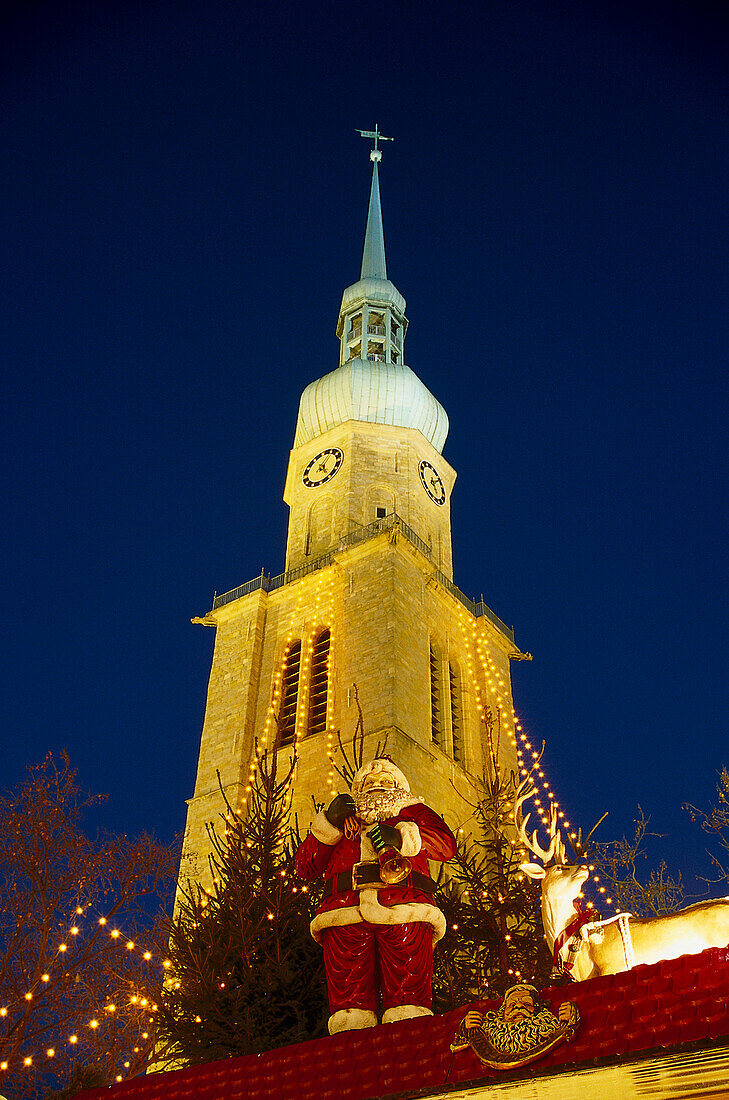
(366, 607)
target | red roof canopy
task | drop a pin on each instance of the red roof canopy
(669, 1006)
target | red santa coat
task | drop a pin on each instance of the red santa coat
(326, 850)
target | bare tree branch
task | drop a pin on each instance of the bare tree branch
(63, 895)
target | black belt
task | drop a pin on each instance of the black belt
(368, 874)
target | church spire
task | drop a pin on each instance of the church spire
(374, 265)
(372, 383)
(373, 255)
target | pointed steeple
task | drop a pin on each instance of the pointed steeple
(372, 383)
(373, 256)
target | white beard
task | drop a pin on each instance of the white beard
(379, 805)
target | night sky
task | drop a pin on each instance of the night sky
(182, 202)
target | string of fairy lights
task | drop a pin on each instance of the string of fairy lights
(110, 1009)
(496, 697)
(488, 682)
(491, 691)
(320, 616)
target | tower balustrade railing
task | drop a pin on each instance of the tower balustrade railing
(362, 534)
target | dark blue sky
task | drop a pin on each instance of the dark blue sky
(181, 204)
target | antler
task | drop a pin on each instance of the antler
(560, 852)
(524, 791)
(581, 847)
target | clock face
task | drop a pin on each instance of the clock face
(323, 467)
(432, 482)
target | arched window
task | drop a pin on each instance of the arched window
(319, 684)
(436, 704)
(289, 695)
(456, 713)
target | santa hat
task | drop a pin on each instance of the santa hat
(384, 763)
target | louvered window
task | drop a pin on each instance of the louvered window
(319, 684)
(436, 709)
(289, 695)
(456, 726)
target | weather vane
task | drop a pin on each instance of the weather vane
(376, 153)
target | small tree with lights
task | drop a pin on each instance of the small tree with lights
(494, 934)
(245, 975)
(70, 971)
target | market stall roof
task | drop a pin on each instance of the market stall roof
(660, 1030)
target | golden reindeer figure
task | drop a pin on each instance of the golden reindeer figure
(584, 947)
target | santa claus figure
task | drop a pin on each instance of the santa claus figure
(377, 922)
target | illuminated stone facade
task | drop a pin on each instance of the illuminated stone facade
(368, 599)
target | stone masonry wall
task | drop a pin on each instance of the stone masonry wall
(383, 606)
(380, 469)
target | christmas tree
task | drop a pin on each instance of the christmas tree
(245, 975)
(494, 936)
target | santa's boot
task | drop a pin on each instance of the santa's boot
(404, 1012)
(351, 1019)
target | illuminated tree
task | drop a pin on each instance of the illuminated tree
(245, 974)
(494, 935)
(74, 917)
